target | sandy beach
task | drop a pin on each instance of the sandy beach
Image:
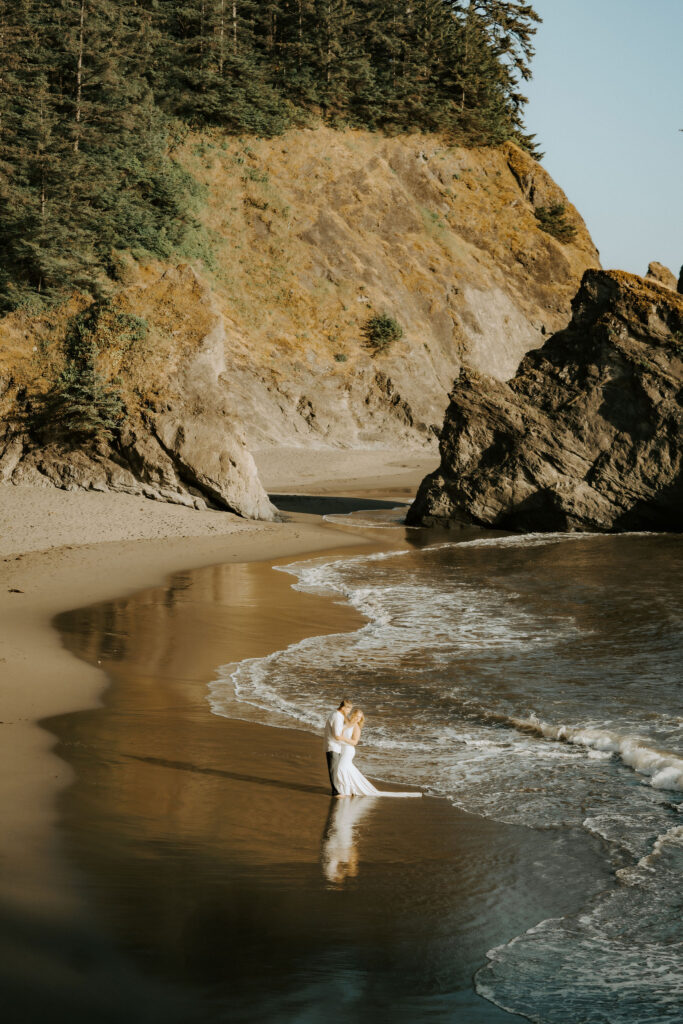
(60, 550)
(177, 847)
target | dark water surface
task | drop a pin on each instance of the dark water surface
(532, 679)
(213, 861)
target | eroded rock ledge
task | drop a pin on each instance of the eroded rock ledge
(586, 436)
(182, 441)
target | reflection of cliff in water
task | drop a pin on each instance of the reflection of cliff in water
(152, 629)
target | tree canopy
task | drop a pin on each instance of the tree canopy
(92, 93)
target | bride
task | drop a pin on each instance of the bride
(349, 781)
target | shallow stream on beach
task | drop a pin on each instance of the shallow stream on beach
(533, 680)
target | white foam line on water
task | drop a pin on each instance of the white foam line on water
(649, 861)
(598, 965)
(345, 519)
(510, 540)
(528, 540)
(258, 667)
(664, 767)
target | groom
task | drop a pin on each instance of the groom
(333, 739)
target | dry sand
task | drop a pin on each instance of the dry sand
(41, 518)
(340, 471)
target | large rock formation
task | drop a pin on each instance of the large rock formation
(180, 442)
(586, 436)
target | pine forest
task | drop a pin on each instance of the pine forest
(96, 97)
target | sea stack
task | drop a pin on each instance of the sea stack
(586, 436)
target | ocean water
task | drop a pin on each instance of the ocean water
(531, 679)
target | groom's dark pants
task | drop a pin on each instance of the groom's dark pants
(332, 762)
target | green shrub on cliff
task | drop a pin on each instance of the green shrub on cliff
(381, 330)
(82, 407)
(552, 219)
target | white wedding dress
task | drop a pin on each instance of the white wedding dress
(351, 782)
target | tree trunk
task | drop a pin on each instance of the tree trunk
(221, 37)
(467, 40)
(328, 69)
(79, 77)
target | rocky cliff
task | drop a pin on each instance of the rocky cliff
(586, 436)
(475, 253)
(323, 229)
(180, 441)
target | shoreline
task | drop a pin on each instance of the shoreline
(140, 758)
(36, 586)
(183, 816)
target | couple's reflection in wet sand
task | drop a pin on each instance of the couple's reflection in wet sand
(339, 846)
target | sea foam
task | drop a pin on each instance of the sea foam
(530, 679)
(664, 768)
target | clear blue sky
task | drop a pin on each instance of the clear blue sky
(606, 103)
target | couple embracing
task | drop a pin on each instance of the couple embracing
(343, 730)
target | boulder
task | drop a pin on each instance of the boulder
(661, 275)
(586, 435)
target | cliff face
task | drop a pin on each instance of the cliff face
(312, 233)
(180, 442)
(586, 436)
(321, 229)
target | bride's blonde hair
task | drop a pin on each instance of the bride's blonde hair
(358, 715)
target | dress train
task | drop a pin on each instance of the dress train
(351, 782)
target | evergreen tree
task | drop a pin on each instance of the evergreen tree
(381, 100)
(295, 73)
(80, 407)
(509, 26)
(84, 151)
(214, 68)
(90, 88)
(35, 189)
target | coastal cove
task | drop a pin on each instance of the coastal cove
(321, 391)
(262, 882)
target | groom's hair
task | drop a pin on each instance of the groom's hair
(343, 704)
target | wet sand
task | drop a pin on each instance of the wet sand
(213, 860)
(39, 678)
(194, 868)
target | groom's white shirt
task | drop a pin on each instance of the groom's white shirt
(333, 727)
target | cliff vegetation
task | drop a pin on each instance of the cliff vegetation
(314, 235)
(96, 97)
(232, 225)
